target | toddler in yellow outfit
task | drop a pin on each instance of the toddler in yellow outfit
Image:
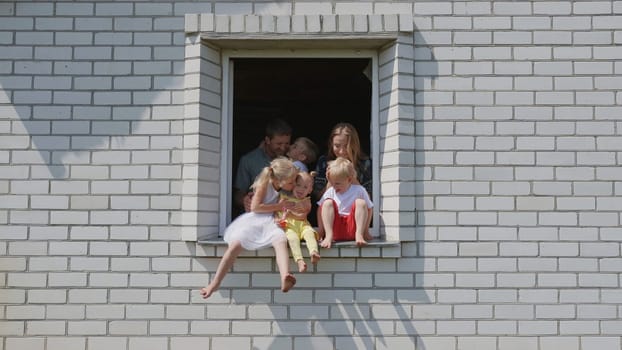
(295, 223)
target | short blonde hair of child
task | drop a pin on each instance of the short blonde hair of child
(310, 149)
(341, 168)
(280, 169)
(305, 176)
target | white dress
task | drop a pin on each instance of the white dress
(256, 230)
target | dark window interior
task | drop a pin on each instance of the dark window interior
(311, 94)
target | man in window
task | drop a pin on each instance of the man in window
(275, 143)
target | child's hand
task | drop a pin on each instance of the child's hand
(285, 204)
(247, 201)
(298, 207)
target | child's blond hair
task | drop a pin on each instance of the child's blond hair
(310, 149)
(341, 168)
(279, 169)
(305, 176)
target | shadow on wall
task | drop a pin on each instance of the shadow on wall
(95, 114)
(81, 136)
(327, 310)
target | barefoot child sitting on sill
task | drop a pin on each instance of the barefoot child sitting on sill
(295, 222)
(257, 228)
(345, 207)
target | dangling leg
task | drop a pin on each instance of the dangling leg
(320, 225)
(328, 218)
(361, 219)
(226, 262)
(310, 238)
(294, 246)
(282, 261)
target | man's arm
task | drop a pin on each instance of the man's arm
(242, 184)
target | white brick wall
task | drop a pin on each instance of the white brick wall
(515, 144)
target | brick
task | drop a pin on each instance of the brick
(433, 38)
(532, 22)
(148, 280)
(599, 312)
(107, 342)
(570, 343)
(66, 343)
(169, 23)
(512, 38)
(435, 280)
(209, 327)
(578, 327)
(552, 8)
(68, 218)
(456, 296)
(47, 23)
(89, 264)
(33, 38)
(537, 328)
(498, 296)
(598, 219)
(557, 280)
(513, 312)
(48, 264)
(475, 280)
(572, 53)
(23, 312)
(593, 8)
(180, 343)
(29, 343)
(440, 8)
(168, 327)
(597, 280)
(572, 23)
(595, 68)
(45, 327)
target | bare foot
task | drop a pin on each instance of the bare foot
(288, 283)
(360, 242)
(207, 291)
(326, 243)
(367, 236)
(315, 258)
(302, 265)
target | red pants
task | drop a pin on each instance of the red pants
(344, 226)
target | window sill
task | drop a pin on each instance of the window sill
(376, 248)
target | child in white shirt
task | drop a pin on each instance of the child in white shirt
(345, 207)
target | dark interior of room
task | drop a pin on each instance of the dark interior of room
(311, 94)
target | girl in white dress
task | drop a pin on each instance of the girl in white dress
(257, 228)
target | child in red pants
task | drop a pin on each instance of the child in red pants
(345, 207)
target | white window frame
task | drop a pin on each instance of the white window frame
(226, 175)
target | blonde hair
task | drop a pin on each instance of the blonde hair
(310, 149)
(355, 154)
(305, 176)
(341, 168)
(279, 169)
